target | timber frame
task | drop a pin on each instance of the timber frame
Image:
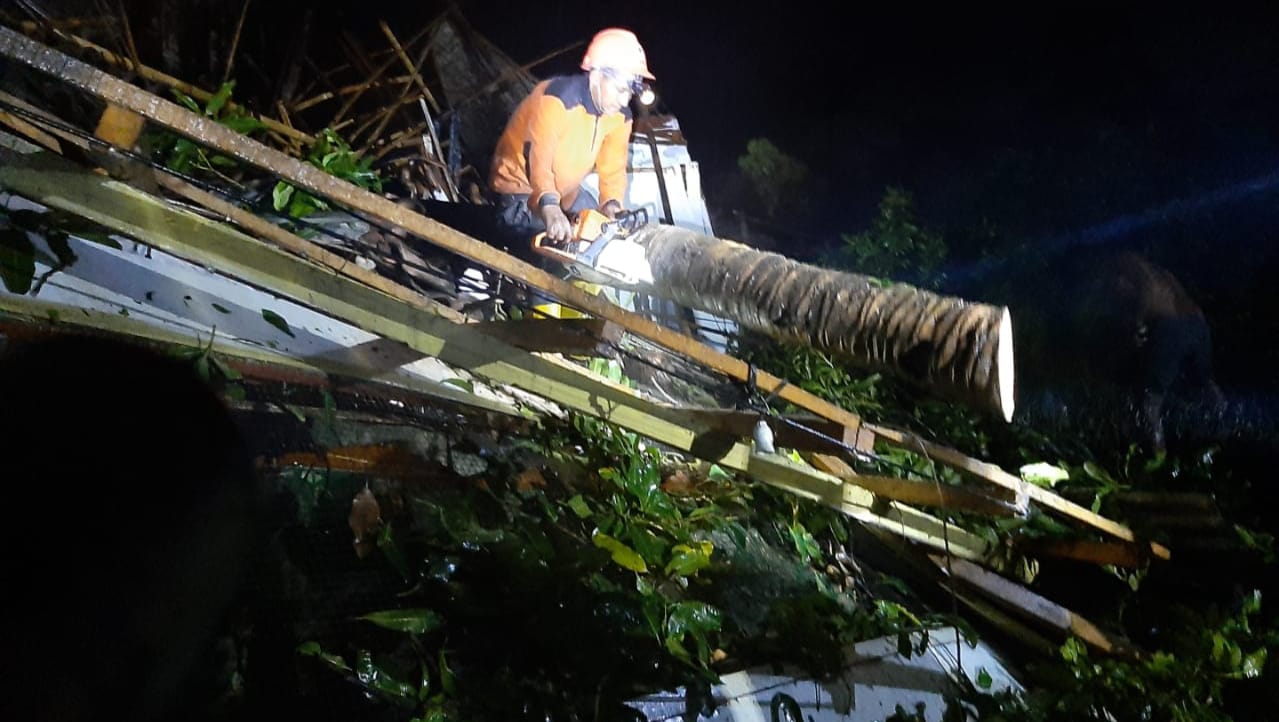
(266, 256)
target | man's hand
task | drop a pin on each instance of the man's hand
(611, 209)
(557, 226)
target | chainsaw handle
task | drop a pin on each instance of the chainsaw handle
(542, 248)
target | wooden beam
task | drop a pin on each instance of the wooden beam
(54, 182)
(1120, 554)
(923, 493)
(1021, 489)
(1031, 605)
(119, 127)
(860, 504)
(35, 314)
(296, 244)
(581, 336)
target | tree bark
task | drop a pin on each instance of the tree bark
(954, 349)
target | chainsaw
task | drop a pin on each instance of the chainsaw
(601, 250)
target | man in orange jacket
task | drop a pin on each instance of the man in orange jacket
(567, 127)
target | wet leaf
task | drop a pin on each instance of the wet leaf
(378, 679)
(446, 676)
(312, 649)
(276, 320)
(227, 372)
(984, 680)
(281, 195)
(623, 555)
(718, 474)
(412, 621)
(1254, 663)
(1043, 474)
(687, 560)
(579, 507)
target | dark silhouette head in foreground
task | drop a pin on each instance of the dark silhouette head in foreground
(133, 520)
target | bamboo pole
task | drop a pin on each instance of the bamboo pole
(409, 65)
(155, 76)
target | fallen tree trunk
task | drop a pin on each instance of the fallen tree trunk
(954, 349)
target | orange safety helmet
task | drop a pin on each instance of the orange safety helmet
(619, 49)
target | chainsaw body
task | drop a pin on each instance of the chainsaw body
(601, 251)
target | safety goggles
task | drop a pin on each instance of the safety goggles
(624, 82)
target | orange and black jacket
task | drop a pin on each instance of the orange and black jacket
(554, 139)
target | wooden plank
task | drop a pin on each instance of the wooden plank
(54, 182)
(119, 127)
(916, 492)
(1043, 610)
(584, 336)
(1120, 554)
(33, 313)
(861, 505)
(999, 477)
(296, 244)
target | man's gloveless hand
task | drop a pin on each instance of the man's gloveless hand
(557, 226)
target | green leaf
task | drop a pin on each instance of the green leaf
(1254, 663)
(243, 124)
(219, 99)
(280, 195)
(446, 677)
(623, 555)
(687, 560)
(17, 260)
(413, 621)
(276, 320)
(579, 507)
(188, 101)
(227, 372)
(718, 474)
(676, 647)
(804, 542)
(1043, 474)
(983, 678)
(312, 649)
(376, 678)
